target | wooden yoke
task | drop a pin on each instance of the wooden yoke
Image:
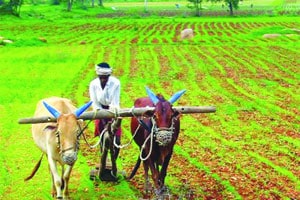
(123, 112)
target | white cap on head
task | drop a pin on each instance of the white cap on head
(103, 69)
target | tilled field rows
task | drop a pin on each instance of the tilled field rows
(249, 148)
(164, 31)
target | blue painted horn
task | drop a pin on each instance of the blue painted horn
(83, 108)
(172, 100)
(52, 110)
(152, 96)
(176, 96)
(77, 113)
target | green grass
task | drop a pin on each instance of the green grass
(154, 9)
(252, 81)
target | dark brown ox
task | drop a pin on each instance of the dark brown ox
(59, 141)
(156, 135)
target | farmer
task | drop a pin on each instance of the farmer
(105, 93)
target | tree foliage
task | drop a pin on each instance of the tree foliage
(232, 4)
(12, 6)
(197, 6)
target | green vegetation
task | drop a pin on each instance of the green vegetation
(248, 149)
(137, 9)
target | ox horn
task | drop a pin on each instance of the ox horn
(52, 110)
(152, 96)
(176, 96)
(83, 108)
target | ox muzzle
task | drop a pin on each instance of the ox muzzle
(69, 158)
(164, 136)
(68, 155)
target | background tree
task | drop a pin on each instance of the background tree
(70, 4)
(100, 2)
(55, 2)
(13, 7)
(16, 6)
(230, 3)
(196, 5)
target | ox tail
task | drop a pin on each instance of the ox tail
(35, 169)
(137, 165)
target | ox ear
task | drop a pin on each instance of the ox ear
(176, 114)
(83, 108)
(176, 96)
(152, 96)
(148, 113)
(52, 110)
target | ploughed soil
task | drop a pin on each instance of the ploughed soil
(243, 152)
(249, 148)
(235, 162)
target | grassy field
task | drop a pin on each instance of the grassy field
(156, 9)
(248, 149)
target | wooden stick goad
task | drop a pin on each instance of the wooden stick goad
(123, 112)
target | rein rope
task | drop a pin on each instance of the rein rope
(141, 123)
(57, 134)
(130, 141)
(151, 142)
(116, 114)
(154, 130)
(98, 142)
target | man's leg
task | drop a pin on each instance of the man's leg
(118, 142)
(96, 131)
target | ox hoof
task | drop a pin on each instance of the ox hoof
(148, 187)
(93, 174)
(162, 192)
(107, 175)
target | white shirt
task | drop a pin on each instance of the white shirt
(109, 96)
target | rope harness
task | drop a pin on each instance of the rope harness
(116, 114)
(59, 147)
(163, 136)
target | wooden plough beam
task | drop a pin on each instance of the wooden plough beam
(123, 112)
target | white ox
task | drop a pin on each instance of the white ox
(59, 141)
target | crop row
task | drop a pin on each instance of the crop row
(121, 31)
(248, 149)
